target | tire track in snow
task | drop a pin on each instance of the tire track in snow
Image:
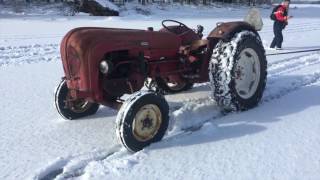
(294, 28)
(24, 37)
(293, 64)
(119, 158)
(17, 55)
(71, 167)
(278, 85)
(198, 113)
(287, 60)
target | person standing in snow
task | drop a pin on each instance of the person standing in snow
(280, 17)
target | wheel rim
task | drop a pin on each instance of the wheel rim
(80, 106)
(147, 122)
(77, 106)
(247, 73)
(176, 86)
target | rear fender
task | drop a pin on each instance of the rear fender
(226, 31)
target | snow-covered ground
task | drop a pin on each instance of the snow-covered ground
(277, 140)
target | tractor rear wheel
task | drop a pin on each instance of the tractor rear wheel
(238, 72)
(74, 109)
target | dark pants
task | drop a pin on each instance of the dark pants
(278, 37)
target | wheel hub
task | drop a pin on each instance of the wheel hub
(247, 73)
(147, 122)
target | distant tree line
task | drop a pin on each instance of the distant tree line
(208, 2)
(69, 7)
(144, 2)
(197, 2)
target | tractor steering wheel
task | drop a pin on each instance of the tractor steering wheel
(181, 26)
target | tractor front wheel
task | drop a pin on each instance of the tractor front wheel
(72, 109)
(143, 119)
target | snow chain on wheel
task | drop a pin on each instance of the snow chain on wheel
(142, 120)
(238, 72)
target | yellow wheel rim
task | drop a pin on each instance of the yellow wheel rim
(146, 123)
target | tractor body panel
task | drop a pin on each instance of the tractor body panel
(226, 30)
(82, 49)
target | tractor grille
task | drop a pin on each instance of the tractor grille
(73, 62)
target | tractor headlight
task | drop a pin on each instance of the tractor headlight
(104, 67)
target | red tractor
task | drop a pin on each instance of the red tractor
(103, 64)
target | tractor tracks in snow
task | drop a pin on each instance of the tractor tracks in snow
(295, 27)
(19, 55)
(292, 64)
(188, 117)
(73, 166)
(280, 82)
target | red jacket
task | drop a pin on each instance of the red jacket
(281, 13)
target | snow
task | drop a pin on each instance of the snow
(277, 140)
(108, 4)
(18, 9)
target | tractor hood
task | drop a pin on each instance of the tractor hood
(82, 40)
(85, 39)
(82, 49)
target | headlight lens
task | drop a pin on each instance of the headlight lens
(104, 67)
